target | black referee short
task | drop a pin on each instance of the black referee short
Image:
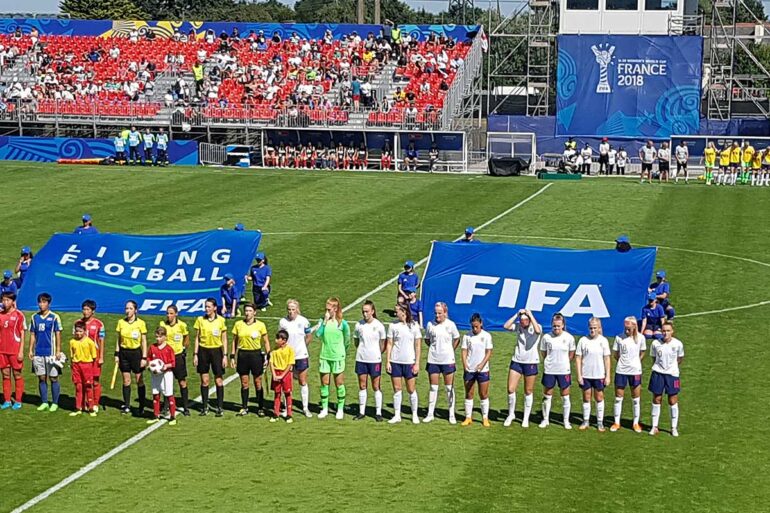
(180, 366)
(130, 360)
(646, 166)
(250, 362)
(210, 358)
(663, 166)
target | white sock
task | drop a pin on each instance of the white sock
(362, 401)
(397, 404)
(413, 401)
(586, 411)
(617, 409)
(637, 409)
(547, 407)
(566, 405)
(753, 180)
(450, 398)
(674, 415)
(432, 398)
(468, 408)
(378, 401)
(485, 408)
(600, 412)
(304, 392)
(655, 414)
(528, 400)
(512, 405)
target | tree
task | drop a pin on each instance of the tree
(748, 11)
(103, 10)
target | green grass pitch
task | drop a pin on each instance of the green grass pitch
(346, 233)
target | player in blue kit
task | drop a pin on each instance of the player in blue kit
(662, 290)
(44, 350)
(228, 293)
(261, 275)
(653, 316)
(408, 279)
(667, 355)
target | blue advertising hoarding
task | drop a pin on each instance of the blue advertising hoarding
(628, 86)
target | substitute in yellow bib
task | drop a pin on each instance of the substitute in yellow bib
(131, 355)
(178, 337)
(250, 345)
(747, 158)
(756, 168)
(709, 161)
(209, 354)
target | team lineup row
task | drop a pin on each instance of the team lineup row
(399, 348)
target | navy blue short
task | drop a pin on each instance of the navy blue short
(628, 380)
(478, 377)
(596, 384)
(525, 369)
(371, 369)
(660, 383)
(551, 380)
(440, 368)
(302, 364)
(402, 370)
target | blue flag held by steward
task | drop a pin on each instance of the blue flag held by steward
(496, 280)
(156, 271)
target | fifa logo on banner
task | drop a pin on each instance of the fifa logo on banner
(603, 59)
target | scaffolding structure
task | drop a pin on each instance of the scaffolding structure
(727, 42)
(522, 57)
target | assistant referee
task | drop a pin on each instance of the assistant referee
(209, 354)
(249, 342)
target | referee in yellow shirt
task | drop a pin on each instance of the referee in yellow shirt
(210, 354)
(178, 337)
(250, 340)
(131, 356)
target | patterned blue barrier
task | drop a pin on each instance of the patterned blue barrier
(109, 28)
(50, 149)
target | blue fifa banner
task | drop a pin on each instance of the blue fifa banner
(156, 271)
(628, 86)
(496, 280)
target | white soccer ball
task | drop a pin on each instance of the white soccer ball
(156, 366)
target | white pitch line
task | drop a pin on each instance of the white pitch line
(723, 310)
(147, 431)
(418, 264)
(104, 457)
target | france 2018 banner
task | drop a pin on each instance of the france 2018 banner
(628, 86)
(156, 271)
(496, 280)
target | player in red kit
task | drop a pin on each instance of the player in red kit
(162, 378)
(12, 328)
(95, 331)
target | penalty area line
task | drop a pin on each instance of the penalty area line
(148, 431)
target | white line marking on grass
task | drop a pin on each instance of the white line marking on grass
(418, 264)
(146, 432)
(106, 456)
(723, 310)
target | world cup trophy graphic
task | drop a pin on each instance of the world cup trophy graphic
(603, 58)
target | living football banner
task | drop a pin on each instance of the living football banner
(496, 280)
(628, 86)
(156, 271)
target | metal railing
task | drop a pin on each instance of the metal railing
(212, 154)
(463, 81)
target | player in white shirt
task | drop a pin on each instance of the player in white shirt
(604, 151)
(664, 162)
(403, 360)
(476, 350)
(682, 155)
(612, 157)
(592, 361)
(586, 154)
(622, 161)
(647, 154)
(300, 335)
(523, 362)
(557, 349)
(667, 355)
(628, 350)
(369, 337)
(442, 338)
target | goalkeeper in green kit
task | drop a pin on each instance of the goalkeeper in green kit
(334, 333)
